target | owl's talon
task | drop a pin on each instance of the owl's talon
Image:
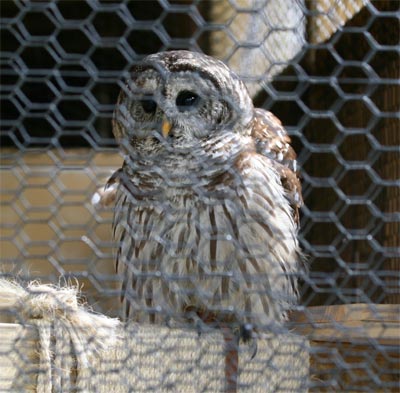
(254, 347)
(199, 327)
(248, 337)
(246, 332)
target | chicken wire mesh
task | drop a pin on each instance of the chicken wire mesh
(328, 69)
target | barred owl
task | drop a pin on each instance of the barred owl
(207, 201)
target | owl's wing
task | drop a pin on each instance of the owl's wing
(105, 196)
(272, 141)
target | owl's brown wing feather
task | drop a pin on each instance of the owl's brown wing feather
(271, 140)
(105, 196)
(114, 178)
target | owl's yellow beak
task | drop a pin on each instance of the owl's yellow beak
(165, 127)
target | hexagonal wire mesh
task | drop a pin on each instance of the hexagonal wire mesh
(329, 70)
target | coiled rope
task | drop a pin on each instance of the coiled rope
(69, 333)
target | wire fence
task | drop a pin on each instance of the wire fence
(329, 70)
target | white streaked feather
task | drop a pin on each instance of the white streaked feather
(186, 276)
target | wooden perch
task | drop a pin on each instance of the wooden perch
(355, 323)
(354, 347)
(60, 345)
(155, 358)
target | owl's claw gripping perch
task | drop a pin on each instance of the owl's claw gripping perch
(246, 332)
(199, 327)
(254, 347)
(249, 337)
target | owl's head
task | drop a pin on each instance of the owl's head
(180, 98)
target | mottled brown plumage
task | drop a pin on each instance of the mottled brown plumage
(273, 142)
(207, 203)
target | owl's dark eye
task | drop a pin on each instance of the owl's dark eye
(186, 100)
(148, 105)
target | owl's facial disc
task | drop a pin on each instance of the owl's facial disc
(180, 100)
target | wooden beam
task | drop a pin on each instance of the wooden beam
(361, 323)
